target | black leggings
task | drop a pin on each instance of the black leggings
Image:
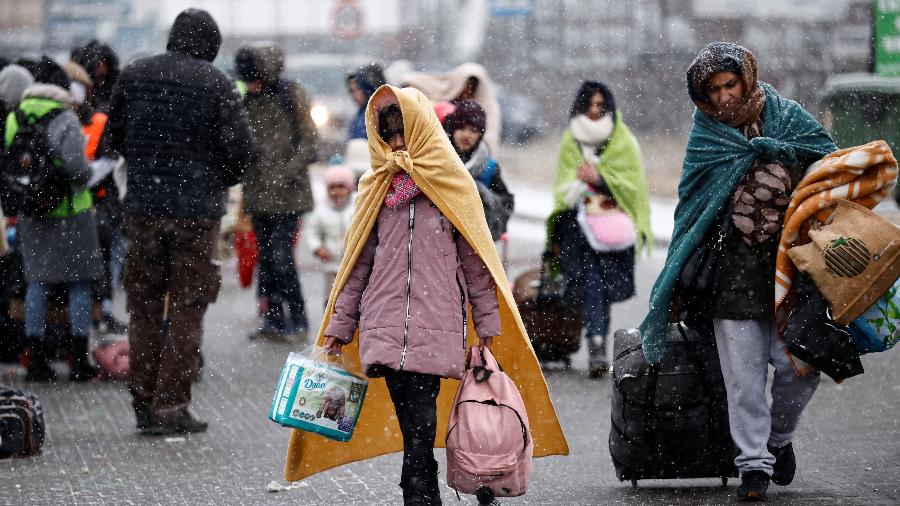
(415, 401)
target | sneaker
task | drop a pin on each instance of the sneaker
(753, 486)
(785, 464)
(182, 423)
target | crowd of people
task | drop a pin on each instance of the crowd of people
(148, 152)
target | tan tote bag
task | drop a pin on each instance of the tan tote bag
(853, 259)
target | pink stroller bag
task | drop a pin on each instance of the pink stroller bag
(489, 445)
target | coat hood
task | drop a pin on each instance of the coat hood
(49, 91)
(195, 33)
(262, 62)
(14, 79)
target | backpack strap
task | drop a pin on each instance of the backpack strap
(283, 90)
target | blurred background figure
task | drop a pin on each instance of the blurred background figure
(466, 126)
(276, 190)
(599, 160)
(102, 65)
(361, 84)
(468, 81)
(60, 246)
(329, 222)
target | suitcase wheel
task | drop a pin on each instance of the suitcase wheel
(634, 483)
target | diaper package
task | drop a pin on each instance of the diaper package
(316, 393)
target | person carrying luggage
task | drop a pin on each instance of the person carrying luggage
(418, 254)
(599, 160)
(747, 150)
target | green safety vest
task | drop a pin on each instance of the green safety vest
(36, 108)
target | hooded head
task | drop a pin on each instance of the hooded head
(49, 72)
(195, 33)
(102, 65)
(726, 57)
(367, 79)
(13, 81)
(586, 92)
(259, 63)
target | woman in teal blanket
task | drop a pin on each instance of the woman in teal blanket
(599, 158)
(747, 150)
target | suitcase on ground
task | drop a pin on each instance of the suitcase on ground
(553, 325)
(670, 420)
(22, 427)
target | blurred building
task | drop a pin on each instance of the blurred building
(643, 47)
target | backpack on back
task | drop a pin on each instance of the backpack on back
(489, 445)
(22, 429)
(30, 180)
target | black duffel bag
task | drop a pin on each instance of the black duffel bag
(22, 429)
(670, 419)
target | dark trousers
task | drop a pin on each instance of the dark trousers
(174, 256)
(278, 280)
(415, 401)
(586, 284)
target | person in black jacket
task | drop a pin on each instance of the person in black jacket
(180, 125)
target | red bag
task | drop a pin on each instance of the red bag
(247, 252)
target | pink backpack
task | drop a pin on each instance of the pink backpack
(489, 445)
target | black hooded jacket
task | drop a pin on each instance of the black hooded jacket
(180, 125)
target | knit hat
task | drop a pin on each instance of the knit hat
(13, 81)
(468, 112)
(340, 174)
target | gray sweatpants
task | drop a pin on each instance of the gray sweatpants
(746, 348)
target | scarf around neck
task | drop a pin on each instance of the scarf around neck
(403, 189)
(591, 134)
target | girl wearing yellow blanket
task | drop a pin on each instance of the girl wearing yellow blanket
(419, 282)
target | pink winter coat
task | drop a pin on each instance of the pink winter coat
(408, 292)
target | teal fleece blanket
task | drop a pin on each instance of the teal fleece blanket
(717, 157)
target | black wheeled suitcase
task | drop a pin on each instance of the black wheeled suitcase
(670, 419)
(22, 429)
(553, 325)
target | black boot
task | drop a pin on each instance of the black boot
(39, 368)
(82, 370)
(597, 356)
(421, 491)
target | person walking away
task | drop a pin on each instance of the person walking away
(180, 125)
(60, 246)
(276, 190)
(105, 194)
(465, 127)
(327, 225)
(361, 84)
(748, 149)
(598, 157)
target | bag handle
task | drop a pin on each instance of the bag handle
(483, 368)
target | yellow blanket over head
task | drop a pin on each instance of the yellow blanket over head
(441, 176)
